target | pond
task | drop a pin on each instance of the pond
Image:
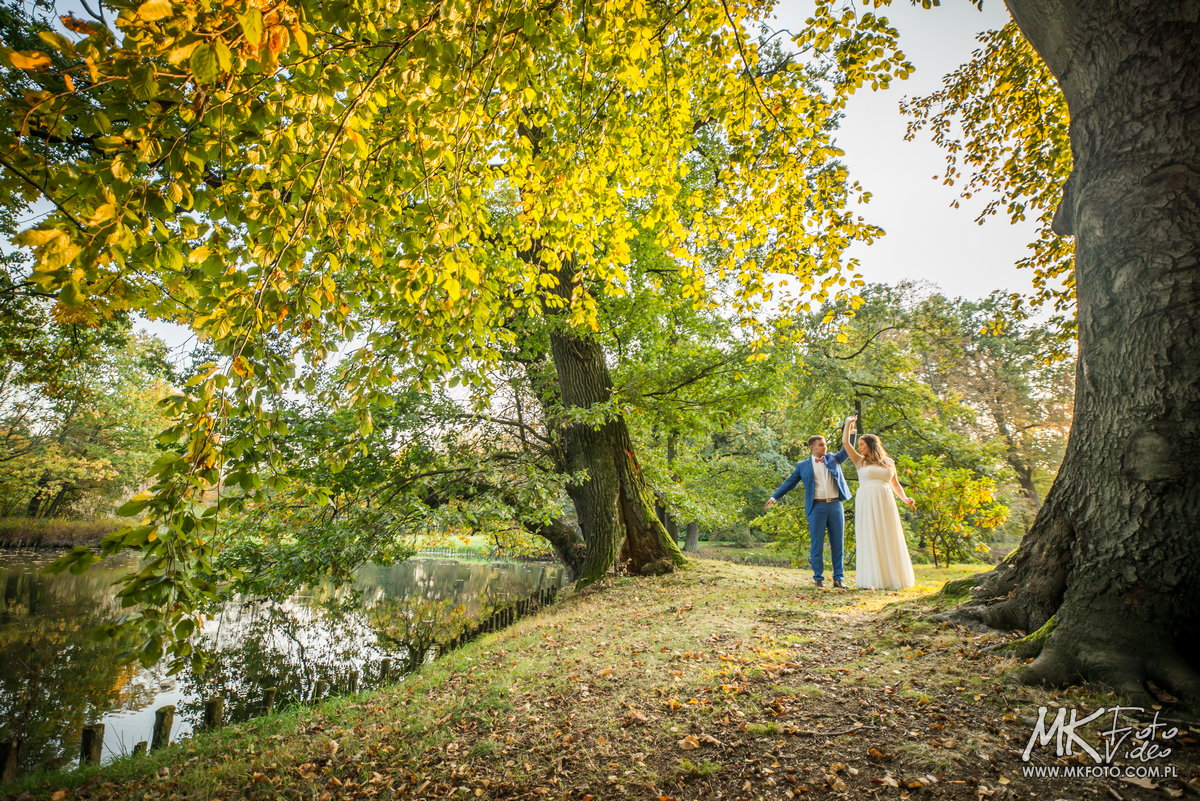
(55, 679)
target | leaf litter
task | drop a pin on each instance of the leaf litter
(757, 686)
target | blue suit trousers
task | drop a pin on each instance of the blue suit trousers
(826, 517)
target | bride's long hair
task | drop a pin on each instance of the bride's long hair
(875, 451)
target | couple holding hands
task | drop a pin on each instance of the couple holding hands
(882, 554)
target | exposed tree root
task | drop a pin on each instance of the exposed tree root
(1031, 644)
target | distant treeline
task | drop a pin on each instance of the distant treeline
(24, 532)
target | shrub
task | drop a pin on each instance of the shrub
(955, 507)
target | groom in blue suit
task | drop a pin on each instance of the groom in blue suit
(824, 490)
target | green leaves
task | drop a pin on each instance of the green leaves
(205, 63)
(1014, 145)
(252, 26)
(361, 180)
(54, 247)
(954, 508)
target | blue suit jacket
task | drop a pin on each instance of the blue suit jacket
(804, 473)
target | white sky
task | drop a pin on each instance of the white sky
(926, 238)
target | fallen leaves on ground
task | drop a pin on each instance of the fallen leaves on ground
(755, 687)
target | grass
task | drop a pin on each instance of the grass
(733, 552)
(25, 532)
(481, 546)
(698, 684)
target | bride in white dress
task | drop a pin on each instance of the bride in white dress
(882, 554)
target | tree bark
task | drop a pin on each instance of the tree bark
(615, 508)
(566, 541)
(668, 519)
(1114, 552)
(693, 537)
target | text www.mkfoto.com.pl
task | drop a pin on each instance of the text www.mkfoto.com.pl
(1099, 772)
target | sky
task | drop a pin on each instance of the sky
(926, 238)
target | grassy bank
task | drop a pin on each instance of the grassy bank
(721, 681)
(760, 554)
(24, 532)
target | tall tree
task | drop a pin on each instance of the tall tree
(1007, 369)
(78, 412)
(1111, 567)
(320, 178)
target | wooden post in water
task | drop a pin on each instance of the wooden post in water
(10, 752)
(320, 690)
(140, 749)
(91, 744)
(268, 704)
(352, 682)
(164, 719)
(214, 712)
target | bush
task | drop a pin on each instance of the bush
(954, 508)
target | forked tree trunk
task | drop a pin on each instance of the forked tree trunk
(615, 508)
(1114, 554)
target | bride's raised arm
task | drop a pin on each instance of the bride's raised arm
(847, 445)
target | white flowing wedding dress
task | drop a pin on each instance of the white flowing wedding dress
(882, 561)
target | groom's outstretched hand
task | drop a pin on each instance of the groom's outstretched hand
(770, 502)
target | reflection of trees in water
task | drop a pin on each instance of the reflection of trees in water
(430, 603)
(322, 634)
(477, 584)
(288, 645)
(54, 678)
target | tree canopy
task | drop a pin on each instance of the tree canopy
(385, 188)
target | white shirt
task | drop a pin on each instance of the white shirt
(823, 484)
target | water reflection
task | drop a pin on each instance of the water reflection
(54, 679)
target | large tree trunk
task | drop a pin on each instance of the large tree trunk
(616, 511)
(1114, 554)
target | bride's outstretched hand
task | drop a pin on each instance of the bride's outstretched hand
(910, 503)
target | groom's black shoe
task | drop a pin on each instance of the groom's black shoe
(838, 585)
(820, 584)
